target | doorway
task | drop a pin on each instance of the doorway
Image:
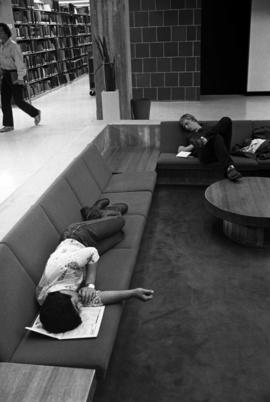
(224, 46)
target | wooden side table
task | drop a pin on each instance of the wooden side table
(31, 383)
(244, 208)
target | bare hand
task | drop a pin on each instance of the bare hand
(144, 294)
(181, 148)
(204, 140)
(86, 295)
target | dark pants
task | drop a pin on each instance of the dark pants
(9, 90)
(218, 145)
(103, 233)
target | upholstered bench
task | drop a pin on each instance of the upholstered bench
(26, 248)
(172, 169)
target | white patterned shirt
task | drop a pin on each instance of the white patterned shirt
(65, 268)
(11, 58)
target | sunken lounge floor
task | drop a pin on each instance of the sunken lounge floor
(205, 336)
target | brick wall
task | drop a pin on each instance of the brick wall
(165, 49)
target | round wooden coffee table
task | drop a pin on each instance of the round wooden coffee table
(244, 207)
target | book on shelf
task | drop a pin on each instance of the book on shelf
(89, 328)
(55, 40)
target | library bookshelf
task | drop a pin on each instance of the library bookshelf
(55, 40)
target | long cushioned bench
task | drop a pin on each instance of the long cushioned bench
(189, 169)
(26, 248)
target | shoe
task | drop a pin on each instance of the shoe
(90, 213)
(119, 206)
(5, 129)
(102, 203)
(37, 118)
(233, 174)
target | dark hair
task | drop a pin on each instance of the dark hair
(57, 313)
(6, 29)
(187, 116)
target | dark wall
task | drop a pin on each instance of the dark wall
(224, 46)
(165, 48)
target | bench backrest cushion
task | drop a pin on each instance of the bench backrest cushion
(241, 129)
(17, 298)
(260, 123)
(61, 205)
(97, 166)
(32, 240)
(82, 183)
(171, 136)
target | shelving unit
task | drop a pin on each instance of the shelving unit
(55, 40)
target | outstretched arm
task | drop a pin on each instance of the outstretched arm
(115, 296)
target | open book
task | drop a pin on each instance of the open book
(91, 320)
(183, 154)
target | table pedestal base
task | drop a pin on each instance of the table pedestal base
(247, 235)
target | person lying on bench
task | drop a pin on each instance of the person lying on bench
(210, 144)
(68, 281)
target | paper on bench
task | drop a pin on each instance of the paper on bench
(183, 154)
(89, 328)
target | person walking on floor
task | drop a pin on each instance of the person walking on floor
(210, 144)
(12, 73)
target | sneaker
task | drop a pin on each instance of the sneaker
(232, 173)
(102, 203)
(37, 118)
(89, 213)
(5, 129)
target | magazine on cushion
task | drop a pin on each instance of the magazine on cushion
(183, 154)
(89, 328)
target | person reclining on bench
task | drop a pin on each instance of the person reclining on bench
(210, 144)
(68, 281)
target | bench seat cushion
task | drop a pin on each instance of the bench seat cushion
(114, 272)
(138, 201)
(133, 231)
(135, 181)
(170, 161)
(263, 164)
(93, 353)
(115, 269)
(245, 164)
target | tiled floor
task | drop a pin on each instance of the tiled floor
(214, 107)
(30, 156)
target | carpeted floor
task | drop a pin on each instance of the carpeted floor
(205, 337)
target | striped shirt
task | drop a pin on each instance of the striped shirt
(11, 58)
